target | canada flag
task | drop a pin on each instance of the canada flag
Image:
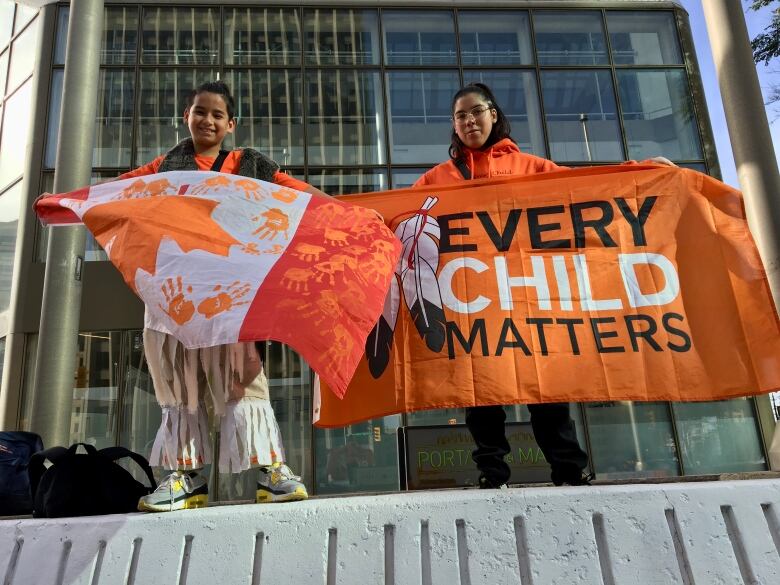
(220, 259)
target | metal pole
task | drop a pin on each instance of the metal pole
(61, 306)
(748, 130)
(584, 122)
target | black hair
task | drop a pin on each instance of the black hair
(501, 128)
(218, 87)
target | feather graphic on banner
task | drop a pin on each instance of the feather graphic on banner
(418, 264)
(380, 340)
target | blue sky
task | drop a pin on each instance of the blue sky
(756, 22)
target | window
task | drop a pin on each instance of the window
(341, 37)
(419, 107)
(700, 167)
(16, 129)
(10, 201)
(632, 439)
(419, 37)
(113, 127)
(345, 122)
(269, 108)
(180, 36)
(718, 437)
(22, 57)
(162, 99)
(348, 181)
(643, 38)
(3, 73)
(95, 405)
(6, 22)
(24, 14)
(657, 114)
(120, 36)
(495, 38)
(581, 116)
(406, 177)
(358, 458)
(518, 97)
(570, 38)
(262, 36)
(61, 36)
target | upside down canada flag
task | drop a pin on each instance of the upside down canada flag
(220, 259)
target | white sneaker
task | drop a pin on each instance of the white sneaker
(278, 484)
(179, 491)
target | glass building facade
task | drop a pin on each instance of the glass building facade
(355, 100)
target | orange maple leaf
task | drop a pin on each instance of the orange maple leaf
(138, 226)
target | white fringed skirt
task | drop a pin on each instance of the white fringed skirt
(230, 379)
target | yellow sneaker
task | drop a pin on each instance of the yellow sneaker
(179, 491)
(278, 484)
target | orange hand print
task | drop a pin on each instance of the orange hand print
(326, 307)
(377, 267)
(252, 189)
(250, 248)
(348, 261)
(365, 231)
(329, 212)
(354, 251)
(136, 188)
(336, 237)
(224, 300)
(308, 252)
(297, 279)
(179, 308)
(211, 184)
(383, 247)
(339, 350)
(275, 249)
(276, 221)
(285, 195)
(158, 187)
(353, 296)
(328, 270)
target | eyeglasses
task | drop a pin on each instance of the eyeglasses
(475, 113)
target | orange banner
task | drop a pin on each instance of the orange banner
(607, 283)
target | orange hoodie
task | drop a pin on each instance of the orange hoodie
(502, 159)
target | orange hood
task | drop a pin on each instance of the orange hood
(502, 159)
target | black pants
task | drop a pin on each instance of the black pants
(554, 432)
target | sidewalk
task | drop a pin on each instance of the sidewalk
(701, 532)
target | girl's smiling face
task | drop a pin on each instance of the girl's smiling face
(209, 122)
(473, 120)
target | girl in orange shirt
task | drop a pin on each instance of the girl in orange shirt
(481, 146)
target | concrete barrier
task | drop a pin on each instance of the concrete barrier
(707, 533)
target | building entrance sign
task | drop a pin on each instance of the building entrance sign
(439, 456)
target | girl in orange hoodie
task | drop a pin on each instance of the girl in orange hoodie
(482, 147)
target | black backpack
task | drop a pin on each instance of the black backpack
(85, 484)
(16, 449)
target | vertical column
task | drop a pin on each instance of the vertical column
(23, 288)
(748, 128)
(61, 306)
(750, 141)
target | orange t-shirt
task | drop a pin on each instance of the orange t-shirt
(229, 166)
(500, 160)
